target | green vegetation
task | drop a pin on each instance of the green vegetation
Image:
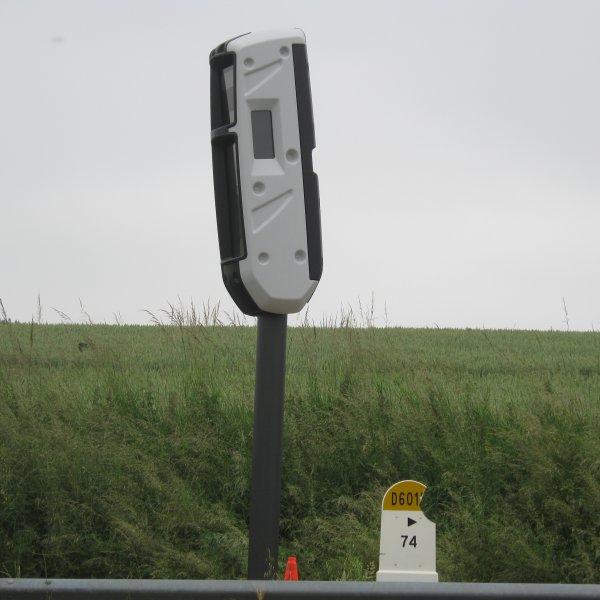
(125, 451)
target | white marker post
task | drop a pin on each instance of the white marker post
(407, 546)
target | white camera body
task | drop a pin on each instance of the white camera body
(266, 192)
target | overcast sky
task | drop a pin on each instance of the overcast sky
(458, 152)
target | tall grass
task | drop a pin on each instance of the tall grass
(125, 450)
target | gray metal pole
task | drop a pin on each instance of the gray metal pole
(265, 492)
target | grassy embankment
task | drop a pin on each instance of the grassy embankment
(131, 456)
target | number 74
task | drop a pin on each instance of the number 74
(412, 542)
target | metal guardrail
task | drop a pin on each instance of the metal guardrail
(144, 589)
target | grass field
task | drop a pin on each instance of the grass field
(125, 450)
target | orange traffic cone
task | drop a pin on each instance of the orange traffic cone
(291, 570)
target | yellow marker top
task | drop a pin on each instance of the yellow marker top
(404, 495)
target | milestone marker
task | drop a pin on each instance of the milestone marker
(406, 554)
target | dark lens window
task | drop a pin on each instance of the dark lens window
(262, 134)
(222, 90)
(230, 225)
(228, 93)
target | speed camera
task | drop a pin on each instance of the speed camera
(266, 192)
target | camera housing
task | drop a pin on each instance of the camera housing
(266, 192)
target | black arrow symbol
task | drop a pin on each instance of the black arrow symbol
(411, 521)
